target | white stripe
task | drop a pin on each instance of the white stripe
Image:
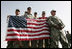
(12, 32)
(28, 28)
(36, 22)
(27, 36)
(34, 29)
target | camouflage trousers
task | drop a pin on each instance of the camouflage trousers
(45, 43)
(29, 44)
(10, 44)
(18, 44)
(64, 44)
(34, 44)
(53, 44)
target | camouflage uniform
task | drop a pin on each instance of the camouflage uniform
(25, 44)
(68, 36)
(10, 44)
(34, 43)
(13, 44)
(29, 44)
(40, 43)
(35, 17)
(30, 16)
(53, 22)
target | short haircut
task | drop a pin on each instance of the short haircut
(35, 12)
(43, 12)
(29, 8)
(18, 10)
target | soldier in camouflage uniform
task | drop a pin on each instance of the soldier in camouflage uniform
(27, 44)
(56, 26)
(14, 44)
(35, 15)
(29, 15)
(64, 41)
(66, 44)
(43, 43)
(34, 43)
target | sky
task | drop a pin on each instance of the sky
(63, 11)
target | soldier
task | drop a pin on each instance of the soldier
(43, 15)
(31, 43)
(43, 43)
(29, 15)
(35, 15)
(56, 26)
(25, 15)
(34, 42)
(14, 44)
(27, 44)
(17, 12)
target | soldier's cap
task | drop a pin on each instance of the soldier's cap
(35, 12)
(29, 8)
(43, 12)
(53, 10)
(18, 10)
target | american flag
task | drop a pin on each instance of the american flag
(22, 29)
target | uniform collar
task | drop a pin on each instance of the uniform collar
(17, 15)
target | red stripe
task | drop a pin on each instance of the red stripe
(13, 30)
(36, 24)
(28, 34)
(27, 30)
(17, 39)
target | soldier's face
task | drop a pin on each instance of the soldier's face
(17, 12)
(53, 13)
(43, 15)
(29, 11)
(35, 15)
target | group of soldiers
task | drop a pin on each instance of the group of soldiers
(56, 33)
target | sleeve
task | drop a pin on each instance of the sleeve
(7, 18)
(50, 22)
(61, 24)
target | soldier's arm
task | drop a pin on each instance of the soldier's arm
(8, 18)
(51, 23)
(61, 24)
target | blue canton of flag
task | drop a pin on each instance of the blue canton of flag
(17, 21)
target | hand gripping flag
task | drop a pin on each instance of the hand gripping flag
(22, 29)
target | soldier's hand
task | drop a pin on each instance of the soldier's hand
(8, 16)
(59, 28)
